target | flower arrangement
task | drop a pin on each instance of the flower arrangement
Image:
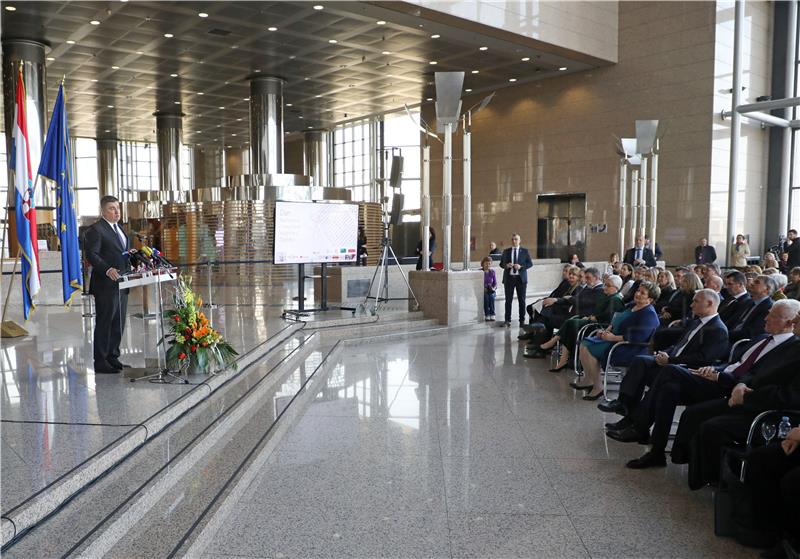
(193, 344)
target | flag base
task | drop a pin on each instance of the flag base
(11, 329)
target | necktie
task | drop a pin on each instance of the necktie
(745, 367)
(638, 254)
(120, 238)
(514, 258)
(694, 325)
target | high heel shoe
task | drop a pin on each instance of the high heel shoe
(577, 386)
(590, 398)
(560, 366)
(548, 345)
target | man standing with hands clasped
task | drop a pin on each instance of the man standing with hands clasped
(515, 263)
(105, 246)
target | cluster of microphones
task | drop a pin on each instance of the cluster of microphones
(146, 258)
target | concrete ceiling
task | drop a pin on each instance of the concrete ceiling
(339, 62)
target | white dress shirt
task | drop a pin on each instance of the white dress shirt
(703, 321)
(777, 340)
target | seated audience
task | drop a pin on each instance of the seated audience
(613, 264)
(575, 261)
(563, 288)
(769, 261)
(666, 283)
(638, 277)
(767, 368)
(738, 302)
(626, 273)
(752, 322)
(636, 324)
(792, 289)
(555, 310)
(781, 282)
(607, 304)
(678, 306)
(704, 342)
(714, 282)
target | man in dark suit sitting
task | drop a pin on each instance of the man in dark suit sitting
(640, 255)
(738, 300)
(773, 382)
(752, 322)
(515, 263)
(766, 358)
(704, 342)
(704, 253)
(105, 245)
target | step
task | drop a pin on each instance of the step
(175, 427)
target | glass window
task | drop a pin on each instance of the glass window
(87, 192)
(351, 158)
(401, 137)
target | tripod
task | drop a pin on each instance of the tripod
(382, 268)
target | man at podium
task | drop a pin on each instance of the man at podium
(106, 246)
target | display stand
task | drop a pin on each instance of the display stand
(156, 277)
(301, 311)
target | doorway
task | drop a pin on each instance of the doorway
(561, 226)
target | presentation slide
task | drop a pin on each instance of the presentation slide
(315, 232)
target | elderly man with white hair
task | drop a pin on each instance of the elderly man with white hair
(771, 360)
(714, 282)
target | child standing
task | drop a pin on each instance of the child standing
(489, 288)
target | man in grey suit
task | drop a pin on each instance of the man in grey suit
(515, 263)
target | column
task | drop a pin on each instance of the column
(316, 156)
(107, 167)
(168, 136)
(266, 125)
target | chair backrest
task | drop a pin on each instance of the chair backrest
(736, 350)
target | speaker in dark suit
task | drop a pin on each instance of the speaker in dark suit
(105, 247)
(640, 255)
(515, 263)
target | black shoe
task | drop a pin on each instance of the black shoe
(648, 460)
(117, 364)
(577, 386)
(104, 369)
(626, 435)
(505, 324)
(623, 423)
(679, 456)
(614, 406)
(590, 398)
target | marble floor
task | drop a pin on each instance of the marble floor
(454, 445)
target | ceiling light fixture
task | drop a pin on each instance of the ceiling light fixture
(525, 59)
(177, 102)
(386, 52)
(11, 8)
(202, 14)
(115, 67)
(433, 62)
(70, 42)
(110, 106)
(468, 90)
(512, 79)
(93, 22)
(221, 108)
(332, 41)
(562, 68)
(319, 7)
(200, 93)
(483, 48)
(429, 99)
(435, 36)
(272, 28)
(94, 80)
(476, 71)
(107, 130)
(380, 22)
(233, 135)
(168, 35)
(139, 52)
(245, 99)
(288, 105)
(50, 58)
(173, 75)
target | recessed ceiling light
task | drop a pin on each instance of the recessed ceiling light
(50, 58)
(526, 58)
(239, 119)
(115, 67)
(429, 99)
(272, 28)
(173, 75)
(139, 52)
(246, 99)
(386, 52)
(468, 90)
(70, 42)
(94, 80)
(562, 68)
(93, 22)
(380, 22)
(177, 102)
(288, 104)
(435, 36)
(233, 135)
(433, 62)
(200, 93)
(11, 8)
(483, 48)
(317, 96)
(221, 108)
(148, 87)
(292, 57)
(319, 7)
(257, 71)
(168, 35)
(110, 106)
(202, 14)
(476, 71)
(228, 146)
(306, 79)
(332, 41)
(512, 79)
(107, 130)
(300, 117)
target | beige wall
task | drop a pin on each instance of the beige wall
(555, 136)
(587, 27)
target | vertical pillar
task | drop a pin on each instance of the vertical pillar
(426, 205)
(107, 167)
(316, 156)
(467, 166)
(31, 54)
(623, 204)
(266, 125)
(643, 182)
(786, 140)
(654, 194)
(168, 137)
(447, 195)
(736, 127)
(634, 205)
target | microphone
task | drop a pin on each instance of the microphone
(160, 256)
(138, 258)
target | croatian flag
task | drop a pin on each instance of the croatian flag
(25, 209)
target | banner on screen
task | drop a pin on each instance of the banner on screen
(315, 232)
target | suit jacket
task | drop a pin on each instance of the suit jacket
(776, 386)
(647, 255)
(104, 249)
(780, 363)
(752, 322)
(732, 310)
(524, 261)
(583, 304)
(707, 347)
(794, 254)
(704, 254)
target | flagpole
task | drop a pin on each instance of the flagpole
(9, 328)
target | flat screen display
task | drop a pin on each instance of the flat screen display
(315, 232)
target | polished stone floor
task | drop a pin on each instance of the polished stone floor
(454, 445)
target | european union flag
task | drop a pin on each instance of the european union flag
(56, 165)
